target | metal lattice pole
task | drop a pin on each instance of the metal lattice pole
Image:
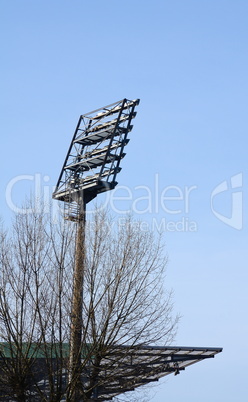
(77, 307)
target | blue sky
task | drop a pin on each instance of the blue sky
(187, 61)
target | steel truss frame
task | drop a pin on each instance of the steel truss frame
(93, 159)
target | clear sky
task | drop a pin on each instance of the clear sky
(187, 60)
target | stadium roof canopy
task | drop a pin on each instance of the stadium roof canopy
(121, 368)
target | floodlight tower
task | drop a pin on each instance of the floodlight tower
(91, 166)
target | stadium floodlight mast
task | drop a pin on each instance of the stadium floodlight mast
(91, 166)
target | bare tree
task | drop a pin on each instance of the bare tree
(125, 305)
(35, 261)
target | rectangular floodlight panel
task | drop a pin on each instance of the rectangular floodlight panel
(111, 109)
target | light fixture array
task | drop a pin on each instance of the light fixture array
(93, 159)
